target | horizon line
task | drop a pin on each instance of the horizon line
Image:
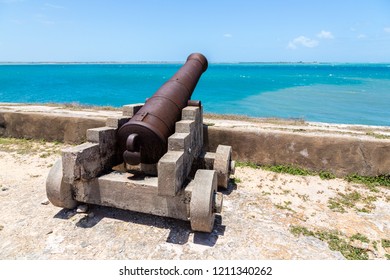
(181, 62)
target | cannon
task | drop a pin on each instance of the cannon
(150, 160)
(144, 138)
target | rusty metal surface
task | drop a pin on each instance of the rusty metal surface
(143, 139)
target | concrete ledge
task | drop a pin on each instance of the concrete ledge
(68, 129)
(338, 154)
(341, 149)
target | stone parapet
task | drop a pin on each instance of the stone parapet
(341, 149)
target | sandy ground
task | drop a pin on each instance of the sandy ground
(261, 210)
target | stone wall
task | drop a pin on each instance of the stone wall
(340, 154)
(50, 127)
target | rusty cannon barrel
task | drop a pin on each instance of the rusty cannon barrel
(144, 138)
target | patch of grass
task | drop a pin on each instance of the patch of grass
(24, 146)
(361, 237)
(287, 121)
(363, 210)
(289, 169)
(385, 243)
(335, 205)
(20, 145)
(350, 200)
(79, 106)
(378, 135)
(285, 206)
(286, 192)
(304, 197)
(44, 155)
(387, 256)
(326, 175)
(370, 181)
(299, 230)
(369, 205)
(336, 242)
(342, 201)
(247, 164)
(375, 245)
(237, 180)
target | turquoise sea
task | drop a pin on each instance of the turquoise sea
(332, 93)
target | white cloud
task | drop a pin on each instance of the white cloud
(386, 29)
(325, 35)
(52, 6)
(361, 36)
(303, 42)
(227, 35)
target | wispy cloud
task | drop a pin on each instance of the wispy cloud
(325, 35)
(386, 29)
(53, 6)
(361, 36)
(227, 35)
(302, 41)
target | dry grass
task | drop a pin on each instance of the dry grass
(254, 120)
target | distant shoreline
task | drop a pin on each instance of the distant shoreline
(181, 62)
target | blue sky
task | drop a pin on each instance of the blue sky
(225, 31)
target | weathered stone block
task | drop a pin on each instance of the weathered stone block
(132, 109)
(179, 142)
(184, 126)
(81, 162)
(170, 173)
(116, 122)
(209, 159)
(195, 114)
(190, 113)
(100, 134)
(106, 138)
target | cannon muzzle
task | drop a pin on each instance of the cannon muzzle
(144, 138)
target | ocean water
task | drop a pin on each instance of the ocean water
(332, 93)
